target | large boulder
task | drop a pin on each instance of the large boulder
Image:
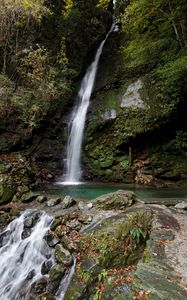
(67, 202)
(29, 197)
(55, 276)
(63, 256)
(117, 200)
(7, 189)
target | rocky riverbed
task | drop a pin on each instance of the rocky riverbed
(117, 246)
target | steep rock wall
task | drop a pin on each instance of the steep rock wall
(136, 128)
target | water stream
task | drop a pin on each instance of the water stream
(23, 250)
(66, 281)
(72, 173)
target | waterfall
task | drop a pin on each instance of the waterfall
(77, 122)
(23, 250)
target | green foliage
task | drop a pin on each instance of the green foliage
(102, 275)
(42, 48)
(96, 296)
(15, 16)
(84, 25)
(178, 144)
(124, 162)
(40, 88)
(174, 72)
(137, 226)
(69, 4)
(103, 3)
(138, 233)
(103, 248)
(181, 141)
(86, 275)
(155, 42)
(6, 92)
(153, 30)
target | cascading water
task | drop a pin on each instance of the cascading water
(23, 250)
(66, 282)
(78, 118)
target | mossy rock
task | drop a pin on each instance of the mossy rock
(117, 200)
(158, 281)
(7, 189)
(102, 250)
(63, 255)
(55, 276)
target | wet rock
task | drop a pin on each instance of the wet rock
(117, 200)
(157, 277)
(51, 240)
(53, 202)
(41, 199)
(28, 223)
(181, 205)
(31, 219)
(30, 275)
(67, 202)
(167, 221)
(29, 197)
(55, 223)
(46, 266)
(63, 256)
(5, 219)
(26, 233)
(55, 276)
(39, 286)
(4, 237)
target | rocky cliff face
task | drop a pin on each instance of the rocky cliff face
(136, 129)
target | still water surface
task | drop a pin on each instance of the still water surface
(90, 191)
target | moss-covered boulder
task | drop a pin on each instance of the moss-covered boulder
(63, 256)
(117, 200)
(29, 197)
(105, 253)
(55, 276)
(7, 189)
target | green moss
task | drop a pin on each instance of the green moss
(110, 247)
(124, 162)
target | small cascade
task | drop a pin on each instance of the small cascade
(66, 281)
(77, 122)
(23, 250)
